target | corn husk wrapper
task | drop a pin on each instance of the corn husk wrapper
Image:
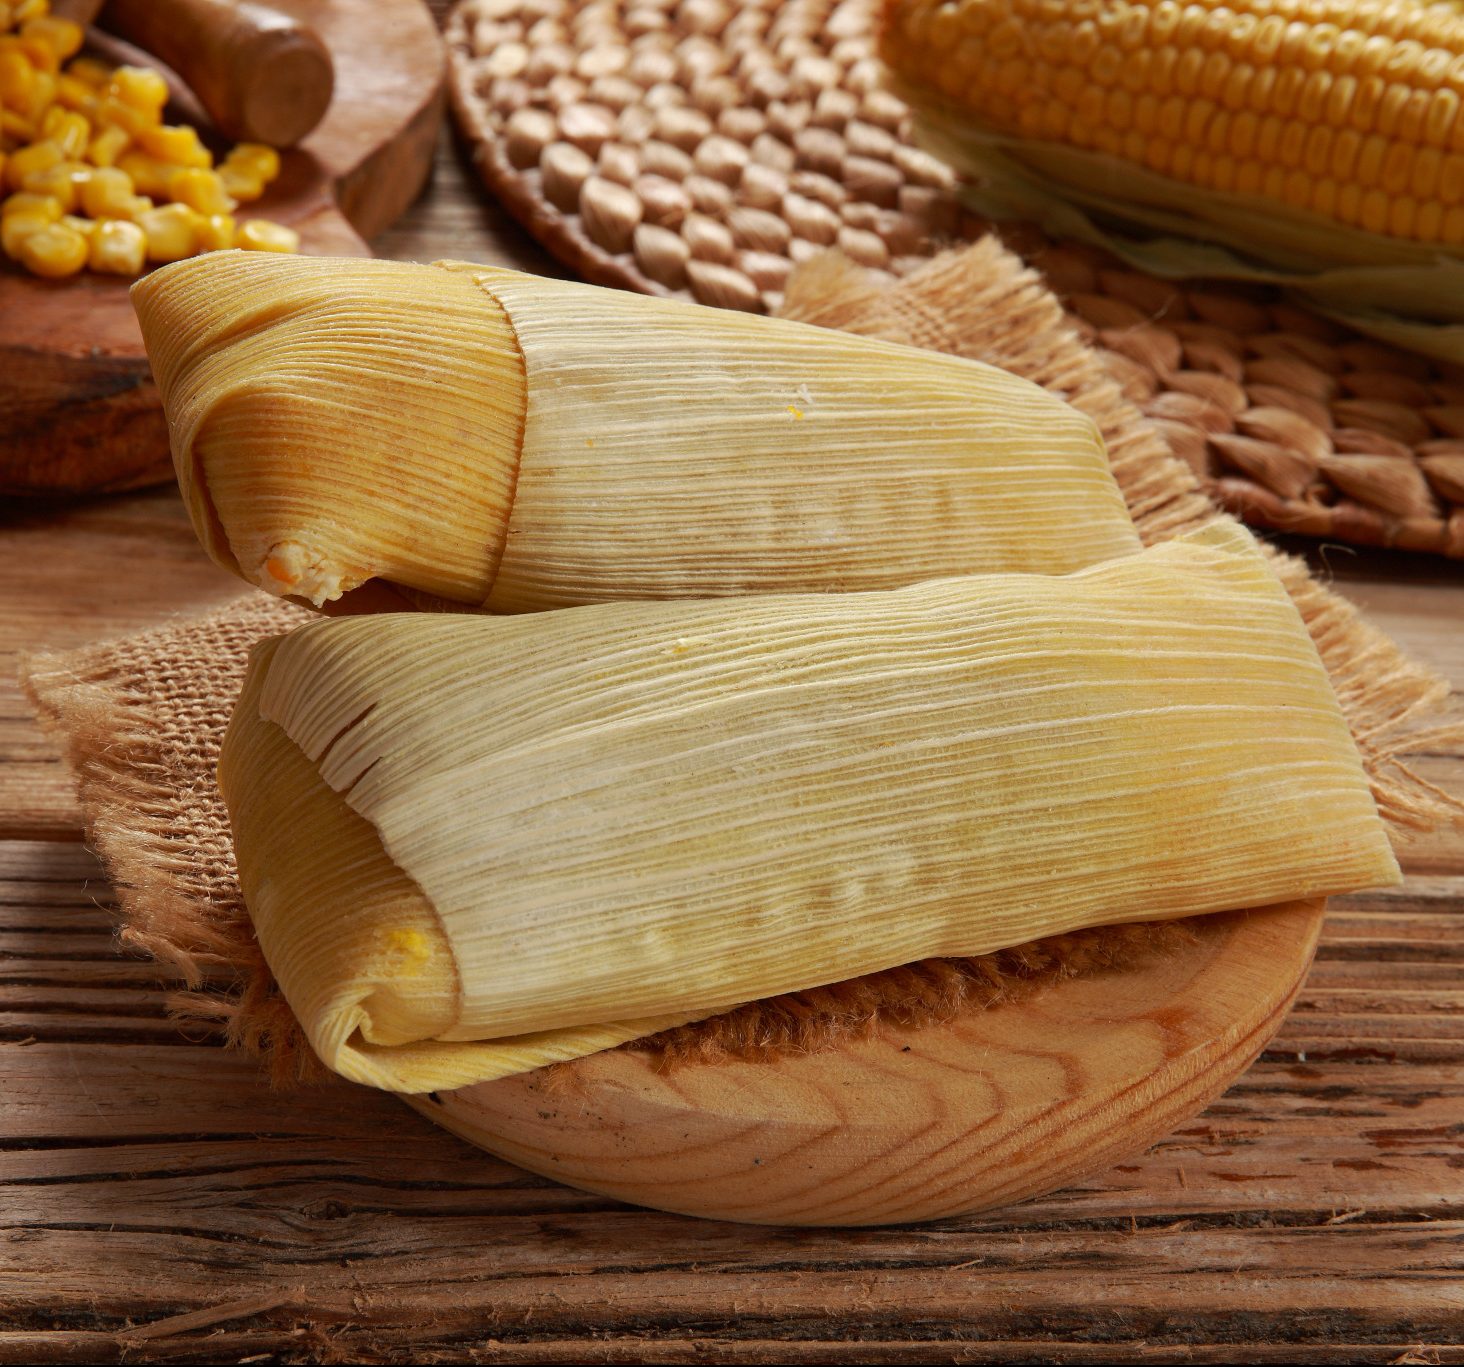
(1410, 294)
(494, 439)
(471, 845)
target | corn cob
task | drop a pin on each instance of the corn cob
(1316, 138)
(1350, 111)
(498, 440)
(472, 844)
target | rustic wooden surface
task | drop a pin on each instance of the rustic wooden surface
(157, 1203)
(78, 408)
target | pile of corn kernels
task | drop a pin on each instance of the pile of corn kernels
(98, 179)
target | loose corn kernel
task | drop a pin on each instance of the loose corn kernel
(148, 174)
(69, 129)
(260, 235)
(256, 158)
(40, 54)
(17, 77)
(118, 248)
(108, 145)
(139, 87)
(54, 251)
(96, 74)
(15, 228)
(175, 143)
(171, 232)
(199, 189)
(75, 95)
(57, 108)
(41, 94)
(216, 233)
(239, 183)
(62, 36)
(28, 203)
(114, 112)
(39, 156)
(62, 182)
(108, 193)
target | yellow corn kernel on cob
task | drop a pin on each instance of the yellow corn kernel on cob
(1349, 112)
(501, 440)
(471, 845)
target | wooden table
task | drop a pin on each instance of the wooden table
(158, 1203)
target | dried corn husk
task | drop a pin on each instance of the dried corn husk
(474, 844)
(1406, 293)
(496, 439)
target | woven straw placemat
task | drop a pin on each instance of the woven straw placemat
(142, 718)
(703, 147)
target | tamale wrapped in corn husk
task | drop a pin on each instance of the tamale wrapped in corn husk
(494, 439)
(471, 845)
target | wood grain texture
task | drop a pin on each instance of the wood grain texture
(157, 1203)
(924, 1124)
(78, 408)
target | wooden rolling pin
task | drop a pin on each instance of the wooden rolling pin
(261, 75)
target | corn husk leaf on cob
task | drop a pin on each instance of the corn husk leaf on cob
(1316, 150)
(471, 845)
(1411, 296)
(493, 439)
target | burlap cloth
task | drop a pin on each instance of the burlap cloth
(142, 718)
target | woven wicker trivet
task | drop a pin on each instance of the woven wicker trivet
(701, 148)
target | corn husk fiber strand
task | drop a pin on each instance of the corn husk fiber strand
(588, 445)
(649, 810)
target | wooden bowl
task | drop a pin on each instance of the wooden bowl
(913, 1124)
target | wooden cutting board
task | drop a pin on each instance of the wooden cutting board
(78, 409)
(913, 1124)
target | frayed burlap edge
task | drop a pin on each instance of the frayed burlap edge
(176, 887)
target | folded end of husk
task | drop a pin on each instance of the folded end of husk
(356, 947)
(309, 403)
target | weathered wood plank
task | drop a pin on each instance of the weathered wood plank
(302, 1339)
